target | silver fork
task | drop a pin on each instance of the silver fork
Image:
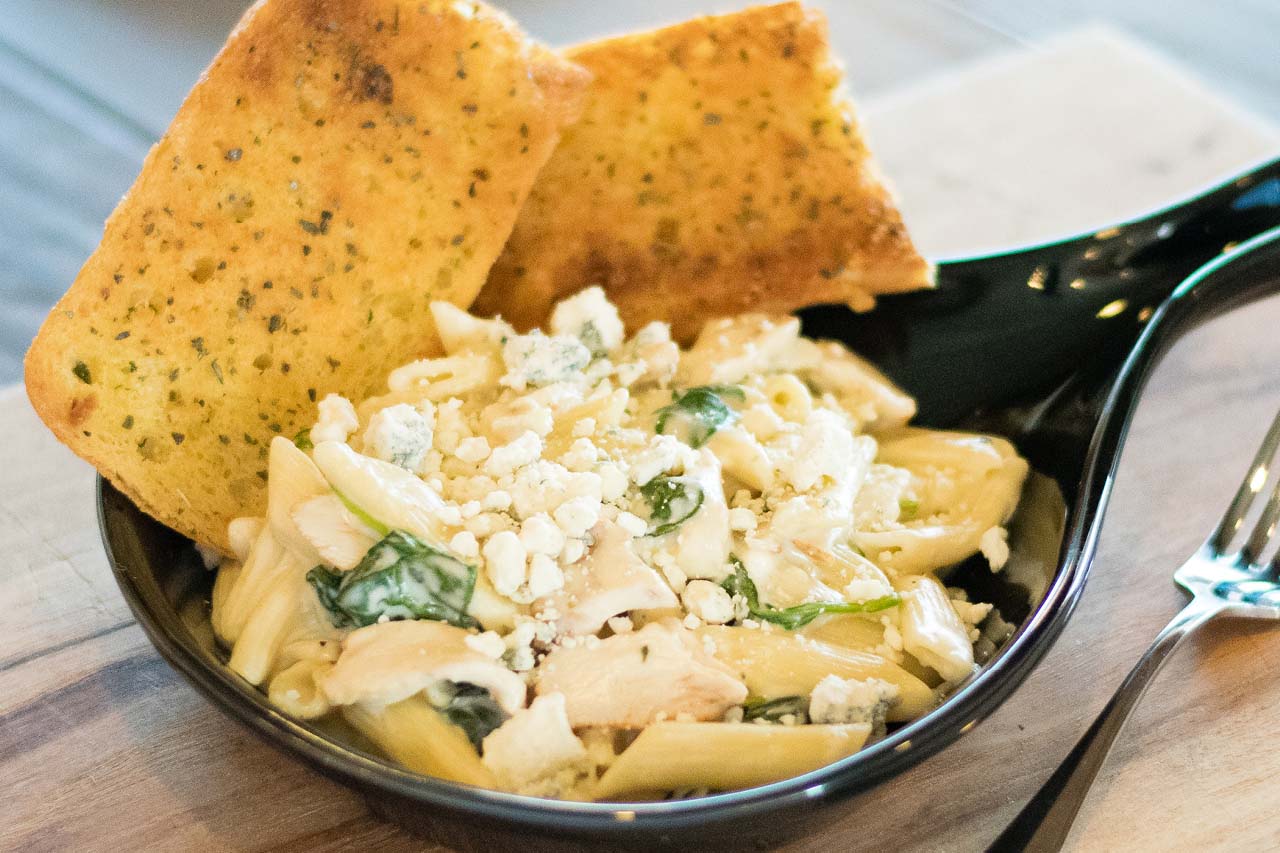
(1223, 582)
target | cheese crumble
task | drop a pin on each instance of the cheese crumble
(565, 542)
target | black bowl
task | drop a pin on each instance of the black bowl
(167, 586)
(1068, 414)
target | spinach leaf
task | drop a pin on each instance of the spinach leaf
(740, 583)
(700, 411)
(326, 583)
(400, 578)
(470, 708)
(773, 710)
(303, 439)
(802, 614)
(672, 501)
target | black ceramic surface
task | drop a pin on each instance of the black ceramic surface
(1049, 346)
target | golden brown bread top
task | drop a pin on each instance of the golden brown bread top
(340, 165)
(715, 169)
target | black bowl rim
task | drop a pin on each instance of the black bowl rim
(954, 717)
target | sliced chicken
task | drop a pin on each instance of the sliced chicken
(630, 680)
(609, 581)
(533, 745)
(385, 663)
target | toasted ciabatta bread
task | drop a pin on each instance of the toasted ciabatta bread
(716, 168)
(340, 165)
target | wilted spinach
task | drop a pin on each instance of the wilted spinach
(699, 412)
(470, 708)
(401, 577)
(672, 501)
(773, 710)
(740, 583)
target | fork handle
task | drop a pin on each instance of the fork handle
(1044, 823)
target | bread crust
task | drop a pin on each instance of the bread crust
(341, 164)
(716, 168)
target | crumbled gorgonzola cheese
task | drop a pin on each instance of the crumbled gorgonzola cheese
(399, 434)
(504, 558)
(335, 421)
(508, 457)
(708, 601)
(994, 545)
(536, 359)
(577, 516)
(851, 700)
(591, 318)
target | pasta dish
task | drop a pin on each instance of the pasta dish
(656, 547)
(576, 564)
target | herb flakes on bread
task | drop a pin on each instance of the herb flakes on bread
(340, 165)
(716, 168)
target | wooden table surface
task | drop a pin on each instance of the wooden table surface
(103, 747)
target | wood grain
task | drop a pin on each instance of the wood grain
(103, 747)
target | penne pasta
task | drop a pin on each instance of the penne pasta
(859, 387)
(733, 580)
(292, 479)
(416, 735)
(931, 630)
(228, 576)
(968, 484)
(388, 496)
(775, 663)
(268, 561)
(266, 628)
(724, 756)
(852, 631)
(742, 458)
(296, 690)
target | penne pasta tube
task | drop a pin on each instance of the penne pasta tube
(850, 631)
(383, 495)
(931, 630)
(296, 690)
(255, 651)
(923, 549)
(860, 387)
(228, 576)
(292, 479)
(971, 453)
(858, 632)
(775, 663)
(606, 410)
(742, 458)
(416, 735)
(725, 756)
(268, 562)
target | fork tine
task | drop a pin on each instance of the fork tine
(1254, 480)
(1251, 552)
